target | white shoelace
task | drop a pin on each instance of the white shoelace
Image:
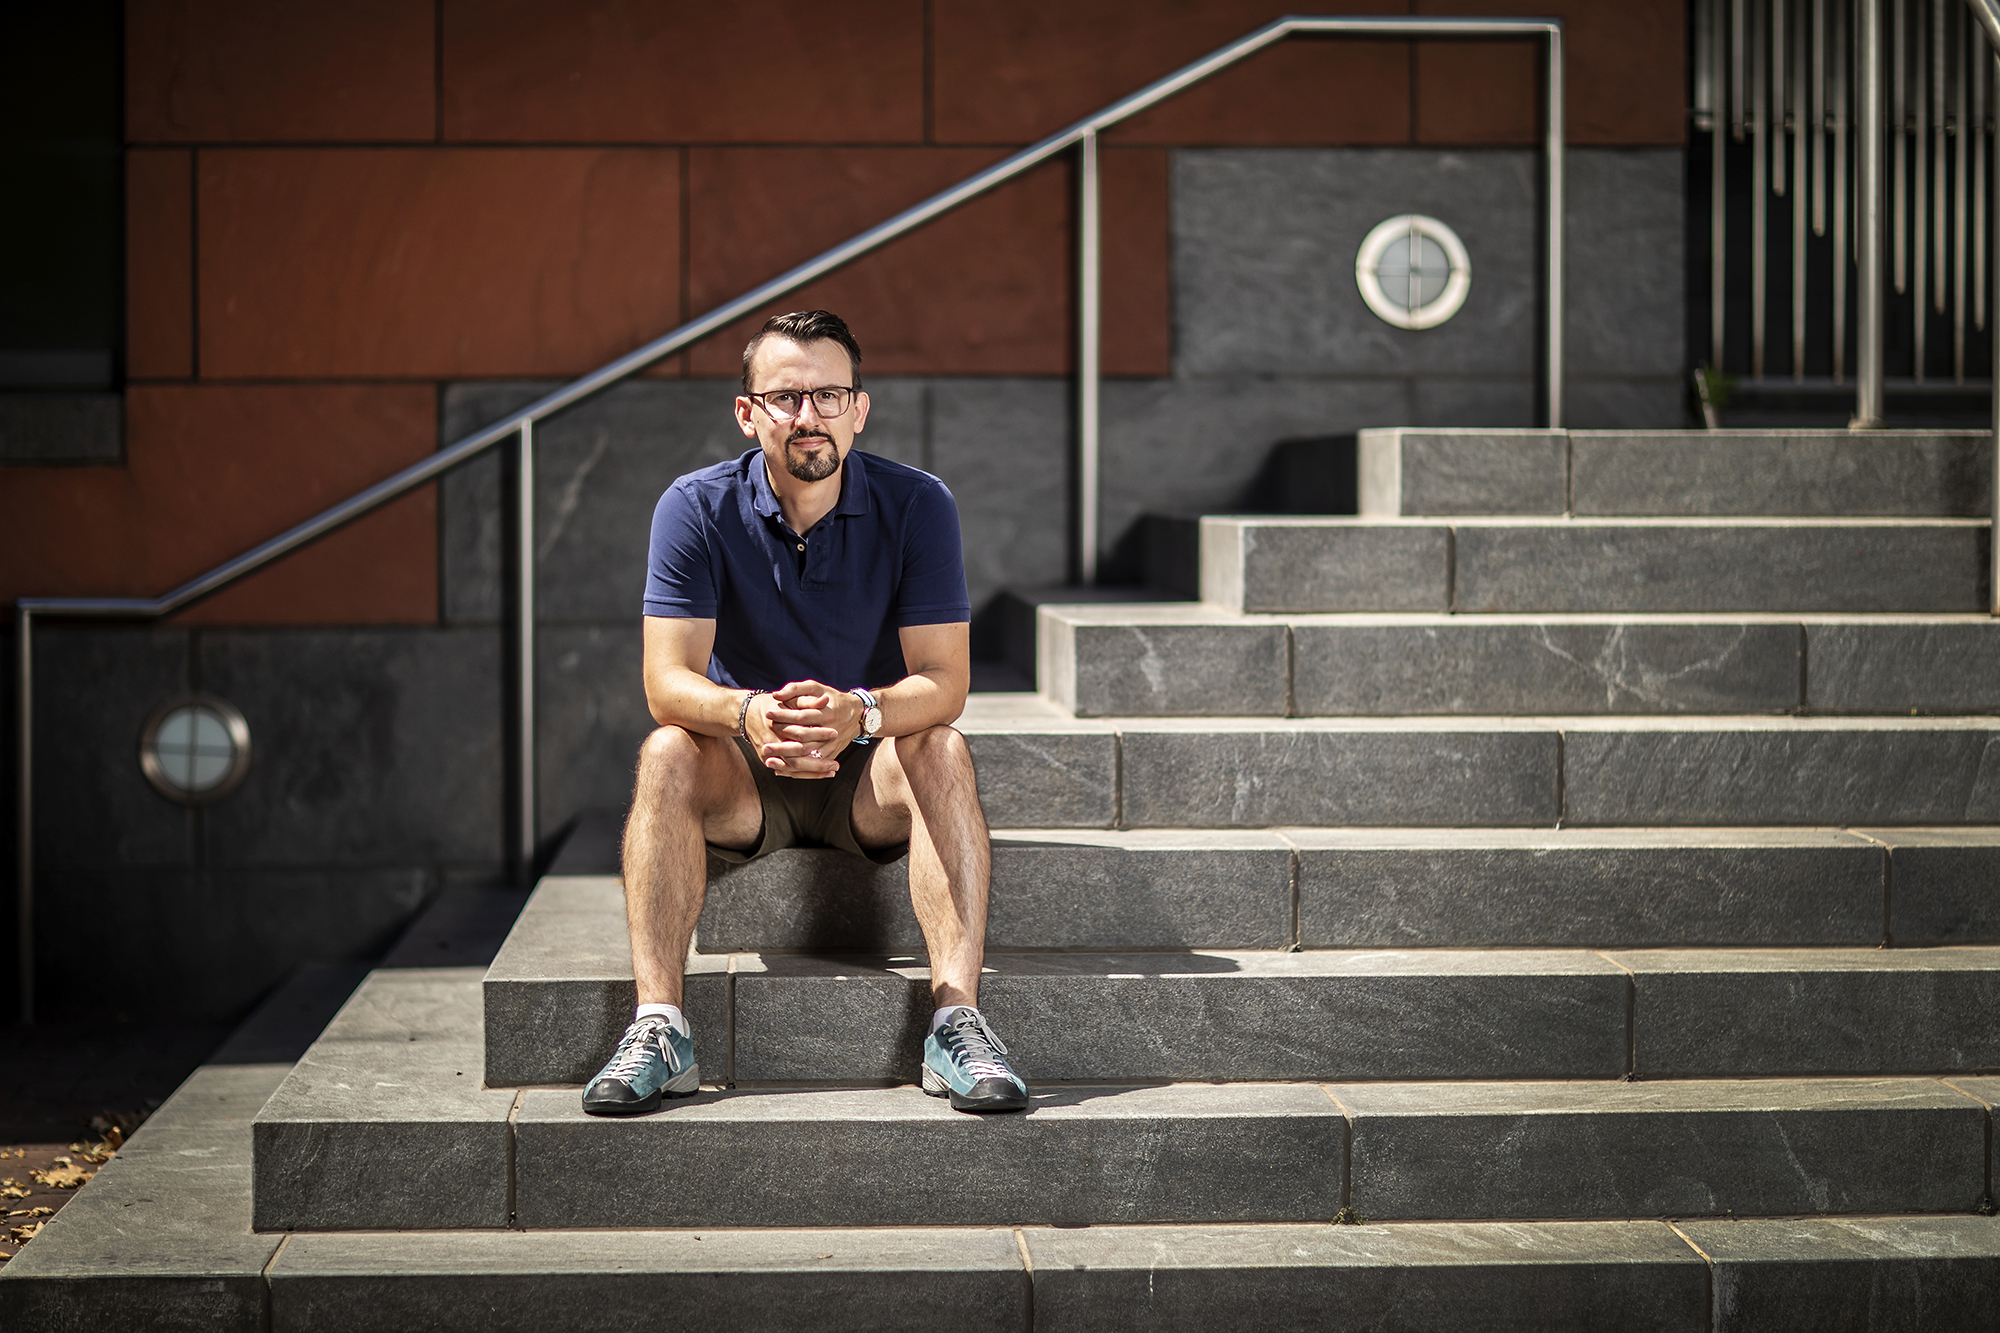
(631, 1056)
(978, 1044)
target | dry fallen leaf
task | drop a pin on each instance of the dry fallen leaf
(63, 1175)
(12, 1191)
(23, 1235)
(32, 1212)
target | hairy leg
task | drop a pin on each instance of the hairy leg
(691, 789)
(921, 787)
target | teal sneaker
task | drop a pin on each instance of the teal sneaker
(652, 1059)
(966, 1061)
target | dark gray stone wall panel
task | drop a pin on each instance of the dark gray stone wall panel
(1522, 1278)
(1600, 1163)
(897, 1158)
(1806, 1021)
(94, 688)
(1812, 777)
(1872, 1275)
(1474, 668)
(1180, 670)
(1887, 473)
(591, 717)
(1904, 668)
(1046, 779)
(1589, 567)
(1655, 401)
(1470, 897)
(1943, 886)
(1192, 446)
(601, 467)
(1624, 243)
(1261, 779)
(44, 428)
(1511, 400)
(206, 944)
(372, 747)
(1264, 243)
(1003, 446)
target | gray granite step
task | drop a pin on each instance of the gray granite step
(1192, 659)
(557, 998)
(1481, 565)
(348, 1140)
(1408, 471)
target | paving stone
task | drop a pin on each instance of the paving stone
(163, 1228)
(1052, 889)
(1907, 665)
(1520, 1276)
(1468, 888)
(1477, 665)
(1718, 565)
(1852, 1275)
(1325, 564)
(1267, 1015)
(1161, 659)
(1813, 771)
(1408, 471)
(613, 1281)
(1210, 772)
(560, 993)
(1037, 767)
(1718, 1013)
(1581, 1150)
(1942, 885)
(385, 1121)
(894, 1157)
(1805, 472)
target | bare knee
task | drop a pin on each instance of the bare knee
(935, 754)
(670, 760)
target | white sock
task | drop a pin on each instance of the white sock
(671, 1012)
(945, 1015)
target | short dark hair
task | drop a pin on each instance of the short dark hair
(807, 326)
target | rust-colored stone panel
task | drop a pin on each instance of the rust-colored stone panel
(159, 263)
(435, 262)
(263, 70)
(1625, 64)
(630, 71)
(1014, 72)
(1138, 260)
(983, 290)
(211, 471)
(1479, 93)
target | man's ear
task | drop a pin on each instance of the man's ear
(860, 412)
(743, 422)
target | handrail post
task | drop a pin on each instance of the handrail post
(1088, 315)
(24, 812)
(1553, 151)
(524, 649)
(1868, 203)
(1993, 446)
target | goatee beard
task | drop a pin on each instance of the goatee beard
(812, 467)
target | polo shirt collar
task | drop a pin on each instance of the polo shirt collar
(853, 486)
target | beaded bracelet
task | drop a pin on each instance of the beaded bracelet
(743, 713)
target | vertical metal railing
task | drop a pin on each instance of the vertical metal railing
(1988, 14)
(1089, 331)
(524, 647)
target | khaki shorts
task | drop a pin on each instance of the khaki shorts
(809, 812)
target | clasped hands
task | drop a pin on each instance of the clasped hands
(800, 729)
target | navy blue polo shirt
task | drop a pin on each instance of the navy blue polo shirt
(825, 606)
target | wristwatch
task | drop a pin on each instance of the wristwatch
(871, 717)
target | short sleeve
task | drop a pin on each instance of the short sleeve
(680, 564)
(932, 588)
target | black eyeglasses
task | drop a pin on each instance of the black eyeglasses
(830, 401)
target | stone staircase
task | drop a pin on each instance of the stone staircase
(1578, 913)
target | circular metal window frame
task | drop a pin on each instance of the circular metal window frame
(232, 721)
(1431, 313)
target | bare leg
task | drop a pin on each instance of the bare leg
(922, 788)
(691, 789)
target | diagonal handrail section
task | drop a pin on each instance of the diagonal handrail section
(520, 424)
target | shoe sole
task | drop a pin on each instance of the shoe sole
(684, 1084)
(935, 1086)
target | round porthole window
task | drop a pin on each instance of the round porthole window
(1413, 271)
(195, 750)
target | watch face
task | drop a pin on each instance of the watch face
(871, 720)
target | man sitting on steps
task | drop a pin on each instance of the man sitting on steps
(781, 586)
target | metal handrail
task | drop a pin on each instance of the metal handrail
(1083, 134)
(1988, 14)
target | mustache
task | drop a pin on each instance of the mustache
(798, 435)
